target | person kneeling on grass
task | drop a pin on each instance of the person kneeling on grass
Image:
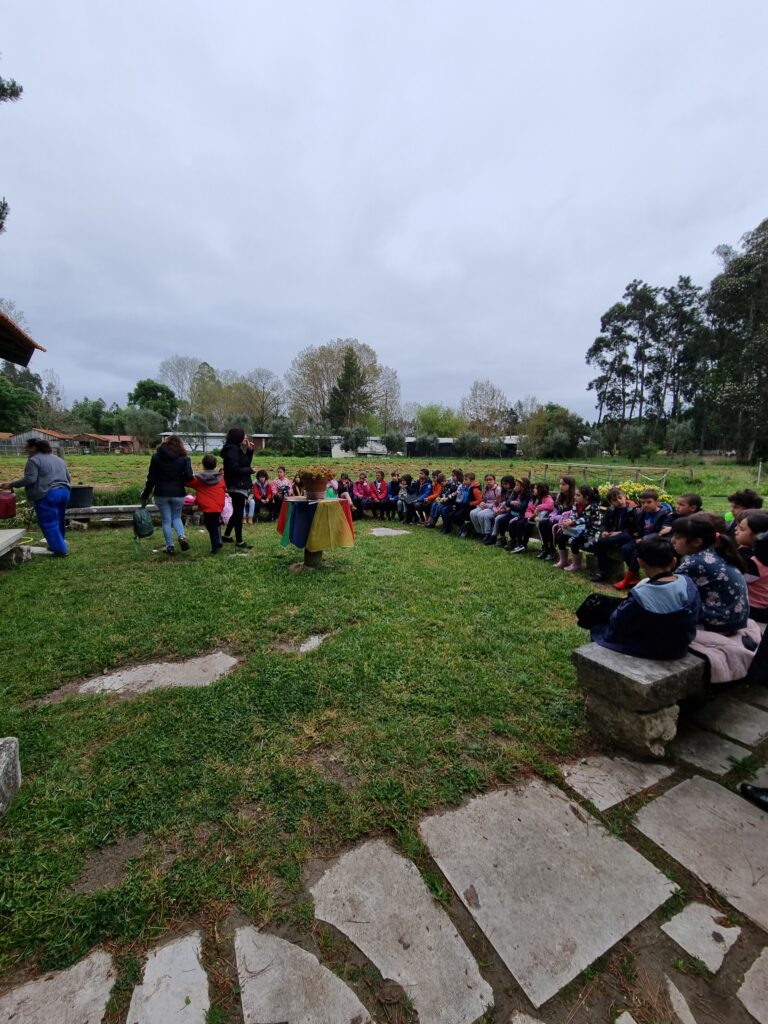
(46, 483)
(658, 619)
(211, 493)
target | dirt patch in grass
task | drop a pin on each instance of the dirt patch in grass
(105, 868)
(328, 763)
(301, 646)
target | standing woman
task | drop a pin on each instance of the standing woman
(236, 456)
(169, 473)
(46, 482)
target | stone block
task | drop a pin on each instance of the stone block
(642, 732)
(638, 683)
(14, 557)
(10, 772)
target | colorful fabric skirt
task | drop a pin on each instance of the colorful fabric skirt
(316, 525)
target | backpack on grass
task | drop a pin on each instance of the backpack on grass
(142, 525)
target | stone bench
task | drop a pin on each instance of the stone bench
(633, 702)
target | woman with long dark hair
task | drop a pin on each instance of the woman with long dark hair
(169, 472)
(236, 456)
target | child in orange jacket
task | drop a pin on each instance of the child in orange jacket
(211, 492)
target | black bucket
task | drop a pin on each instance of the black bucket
(81, 497)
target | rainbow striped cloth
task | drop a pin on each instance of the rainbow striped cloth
(316, 525)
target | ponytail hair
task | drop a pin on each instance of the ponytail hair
(710, 530)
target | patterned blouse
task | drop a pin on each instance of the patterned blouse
(723, 592)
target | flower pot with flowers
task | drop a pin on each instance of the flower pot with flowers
(315, 480)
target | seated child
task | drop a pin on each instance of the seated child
(262, 495)
(377, 500)
(281, 489)
(406, 502)
(483, 516)
(658, 619)
(742, 501)
(468, 497)
(576, 526)
(393, 492)
(616, 530)
(709, 556)
(425, 490)
(438, 483)
(211, 493)
(542, 504)
(752, 538)
(685, 505)
(361, 492)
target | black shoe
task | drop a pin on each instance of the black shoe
(599, 577)
(228, 540)
(542, 553)
(183, 543)
(243, 546)
(489, 540)
(757, 795)
(549, 557)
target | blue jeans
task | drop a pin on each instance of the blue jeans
(51, 519)
(170, 515)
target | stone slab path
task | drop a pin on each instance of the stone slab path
(283, 984)
(383, 531)
(707, 750)
(379, 900)
(174, 985)
(159, 675)
(735, 719)
(10, 772)
(699, 931)
(719, 837)
(607, 781)
(753, 994)
(549, 886)
(79, 994)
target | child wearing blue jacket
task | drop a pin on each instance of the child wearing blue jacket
(658, 619)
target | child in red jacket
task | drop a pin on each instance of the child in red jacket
(211, 491)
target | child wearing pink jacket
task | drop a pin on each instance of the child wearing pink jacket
(541, 505)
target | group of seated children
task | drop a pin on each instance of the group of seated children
(702, 587)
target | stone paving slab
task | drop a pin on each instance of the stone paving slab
(380, 902)
(706, 750)
(680, 1007)
(162, 674)
(10, 772)
(757, 695)
(753, 993)
(283, 984)
(719, 836)
(696, 930)
(174, 985)
(626, 1018)
(383, 531)
(735, 719)
(761, 779)
(10, 539)
(607, 781)
(523, 1018)
(549, 886)
(79, 994)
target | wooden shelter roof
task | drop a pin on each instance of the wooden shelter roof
(15, 344)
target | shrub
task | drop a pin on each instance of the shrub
(632, 490)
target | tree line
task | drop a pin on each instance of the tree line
(687, 367)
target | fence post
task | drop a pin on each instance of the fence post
(637, 474)
(546, 472)
(586, 476)
(759, 472)
(664, 481)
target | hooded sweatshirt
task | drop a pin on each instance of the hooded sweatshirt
(211, 490)
(168, 474)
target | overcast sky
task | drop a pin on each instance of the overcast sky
(464, 186)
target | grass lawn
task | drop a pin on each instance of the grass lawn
(446, 671)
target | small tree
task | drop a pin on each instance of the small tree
(632, 441)
(150, 395)
(145, 424)
(282, 429)
(393, 442)
(350, 397)
(353, 438)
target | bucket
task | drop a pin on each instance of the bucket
(80, 497)
(7, 504)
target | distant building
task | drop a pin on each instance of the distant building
(102, 443)
(55, 438)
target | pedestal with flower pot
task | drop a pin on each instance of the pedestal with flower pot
(315, 522)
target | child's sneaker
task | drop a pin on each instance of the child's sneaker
(183, 543)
